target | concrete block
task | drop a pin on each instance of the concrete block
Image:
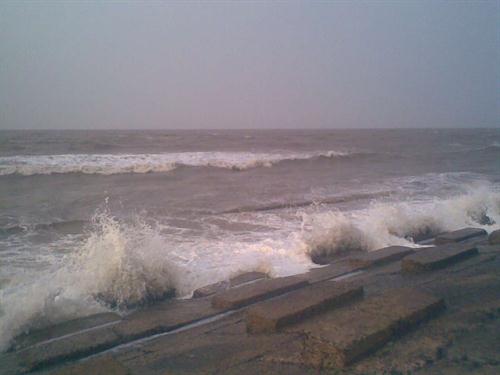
(258, 291)
(381, 256)
(331, 271)
(437, 257)
(274, 314)
(164, 317)
(62, 329)
(459, 235)
(343, 336)
(223, 285)
(69, 347)
(211, 289)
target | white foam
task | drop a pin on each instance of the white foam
(117, 263)
(107, 164)
(128, 263)
(385, 224)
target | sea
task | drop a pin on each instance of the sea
(109, 220)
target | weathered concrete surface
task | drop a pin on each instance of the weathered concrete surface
(211, 289)
(258, 291)
(215, 348)
(164, 317)
(272, 315)
(437, 257)
(61, 329)
(70, 347)
(459, 235)
(105, 365)
(494, 237)
(331, 271)
(381, 256)
(358, 261)
(340, 337)
(233, 282)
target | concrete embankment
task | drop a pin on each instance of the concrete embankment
(432, 310)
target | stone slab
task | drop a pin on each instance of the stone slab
(214, 348)
(69, 347)
(341, 337)
(331, 271)
(223, 285)
(161, 318)
(494, 237)
(459, 235)
(437, 257)
(164, 317)
(381, 256)
(274, 314)
(62, 329)
(257, 291)
(210, 290)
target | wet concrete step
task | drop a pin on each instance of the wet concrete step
(257, 291)
(64, 328)
(341, 337)
(332, 271)
(163, 317)
(223, 285)
(272, 315)
(382, 256)
(70, 347)
(437, 257)
(459, 235)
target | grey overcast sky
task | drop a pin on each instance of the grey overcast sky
(293, 64)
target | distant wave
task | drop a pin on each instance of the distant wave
(492, 147)
(108, 164)
(304, 203)
(65, 227)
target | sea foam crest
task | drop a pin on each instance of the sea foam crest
(107, 164)
(117, 265)
(384, 224)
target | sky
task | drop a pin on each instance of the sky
(293, 64)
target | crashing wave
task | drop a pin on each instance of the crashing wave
(403, 223)
(108, 164)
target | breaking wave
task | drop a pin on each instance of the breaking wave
(404, 223)
(119, 265)
(108, 164)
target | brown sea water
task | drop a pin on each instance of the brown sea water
(91, 220)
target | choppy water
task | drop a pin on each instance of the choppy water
(94, 219)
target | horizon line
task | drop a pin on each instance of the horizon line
(248, 129)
